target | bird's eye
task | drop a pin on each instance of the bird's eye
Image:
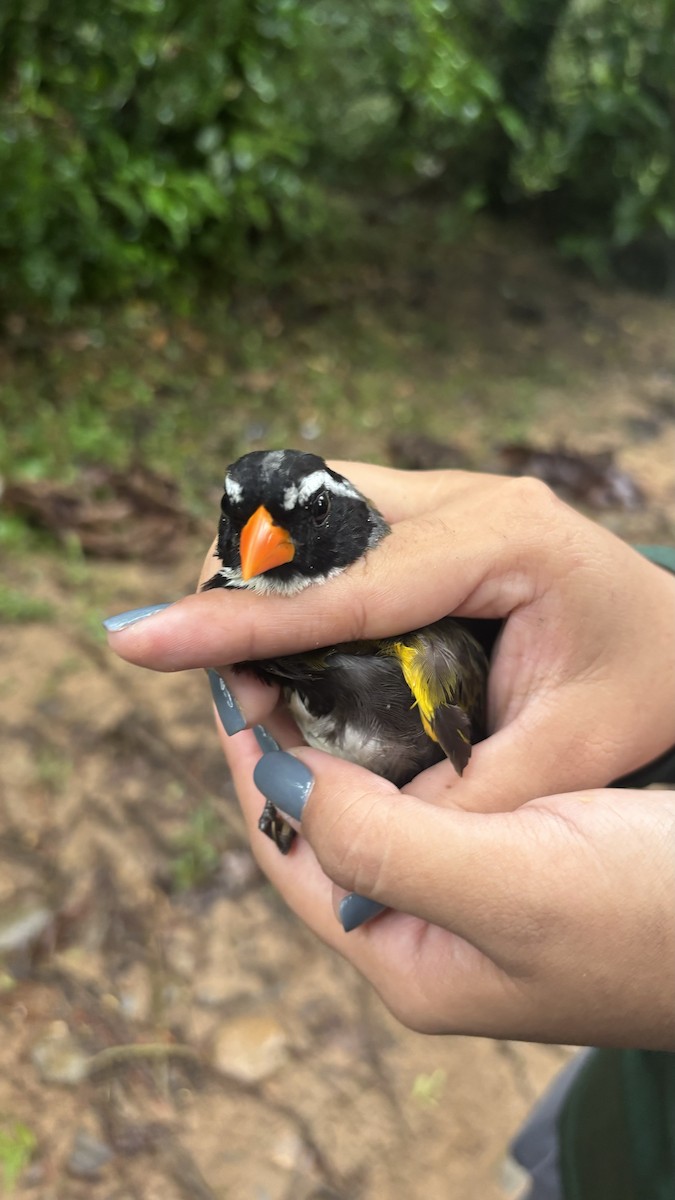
(320, 507)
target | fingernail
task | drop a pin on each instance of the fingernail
(355, 910)
(285, 781)
(231, 716)
(123, 619)
(267, 743)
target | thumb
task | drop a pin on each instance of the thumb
(546, 749)
(451, 868)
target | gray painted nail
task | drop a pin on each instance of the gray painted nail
(124, 619)
(264, 738)
(355, 910)
(285, 781)
(231, 716)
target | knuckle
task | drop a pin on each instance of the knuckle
(531, 494)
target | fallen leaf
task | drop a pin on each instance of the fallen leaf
(593, 479)
(135, 514)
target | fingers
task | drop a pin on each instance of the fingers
(401, 495)
(303, 880)
(562, 884)
(406, 960)
(252, 700)
(451, 868)
(531, 923)
(298, 876)
(467, 568)
(536, 754)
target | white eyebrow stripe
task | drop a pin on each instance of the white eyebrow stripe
(234, 490)
(314, 483)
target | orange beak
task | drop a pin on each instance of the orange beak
(263, 545)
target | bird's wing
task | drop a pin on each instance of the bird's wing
(446, 670)
(296, 669)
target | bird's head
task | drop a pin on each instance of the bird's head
(288, 520)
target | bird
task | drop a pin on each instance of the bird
(395, 705)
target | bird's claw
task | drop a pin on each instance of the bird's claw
(273, 825)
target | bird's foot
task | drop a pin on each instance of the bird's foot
(273, 825)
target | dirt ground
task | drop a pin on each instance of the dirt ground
(169, 1030)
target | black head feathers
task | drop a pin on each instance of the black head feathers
(288, 520)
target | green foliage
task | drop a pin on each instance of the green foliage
(144, 140)
(20, 607)
(136, 131)
(428, 1089)
(197, 849)
(603, 139)
(17, 1144)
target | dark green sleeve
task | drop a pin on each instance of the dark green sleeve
(662, 770)
(617, 1127)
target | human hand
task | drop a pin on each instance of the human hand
(582, 678)
(551, 923)
(539, 917)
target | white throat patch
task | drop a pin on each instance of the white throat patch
(263, 585)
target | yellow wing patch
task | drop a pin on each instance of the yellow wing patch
(434, 689)
(428, 692)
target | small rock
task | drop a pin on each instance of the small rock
(134, 991)
(513, 1179)
(291, 1153)
(59, 1057)
(250, 1048)
(239, 871)
(87, 1156)
(33, 1175)
(79, 963)
(22, 921)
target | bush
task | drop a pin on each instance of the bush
(602, 141)
(144, 140)
(138, 136)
